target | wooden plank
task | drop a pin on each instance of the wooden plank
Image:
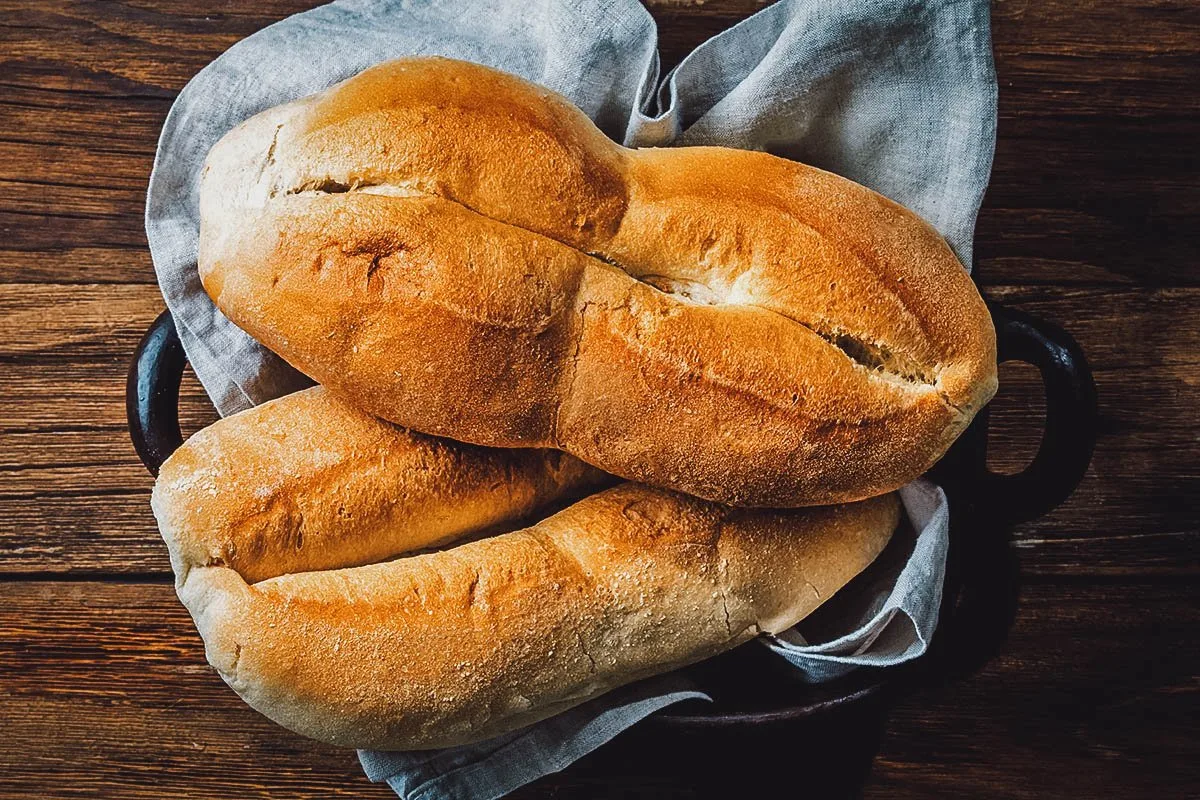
(70, 482)
(1120, 210)
(1066, 58)
(1093, 695)
(49, 396)
(1091, 182)
(1135, 163)
(154, 47)
(1049, 50)
(33, 198)
(1145, 474)
(1053, 58)
(108, 694)
(1091, 200)
(71, 488)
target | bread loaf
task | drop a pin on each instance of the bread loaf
(307, 482)
(460, 645)
(465, 253)
(271, 516)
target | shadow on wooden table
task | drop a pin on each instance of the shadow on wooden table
(818, 758)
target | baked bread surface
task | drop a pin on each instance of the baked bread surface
(464, 253)
(309, 482)
(274, 515)
(464, 644)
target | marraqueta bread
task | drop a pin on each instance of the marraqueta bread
(308, 482)
(441, 648)
(466, 254)
(460, 645)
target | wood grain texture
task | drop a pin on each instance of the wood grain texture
(124, 705)
(1108, 118)
(1092, 219)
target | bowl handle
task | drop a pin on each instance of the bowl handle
(1069, 435)
(152, 393)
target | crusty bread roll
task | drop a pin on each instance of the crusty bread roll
(307, 482)
(466, 254)
(265, 511)
(460, 645)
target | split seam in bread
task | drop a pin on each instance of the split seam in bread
(464, 253)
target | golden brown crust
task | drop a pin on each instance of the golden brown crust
(464, 644)
(441, 242)
(307, 482)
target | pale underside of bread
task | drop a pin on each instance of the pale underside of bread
(465, 253)
(460, 645)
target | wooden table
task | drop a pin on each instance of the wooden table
(1093, 220)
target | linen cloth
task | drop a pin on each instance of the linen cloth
(899, 95)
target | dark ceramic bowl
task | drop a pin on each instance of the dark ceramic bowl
(749, 685)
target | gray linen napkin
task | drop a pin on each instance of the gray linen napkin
(899, 95)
